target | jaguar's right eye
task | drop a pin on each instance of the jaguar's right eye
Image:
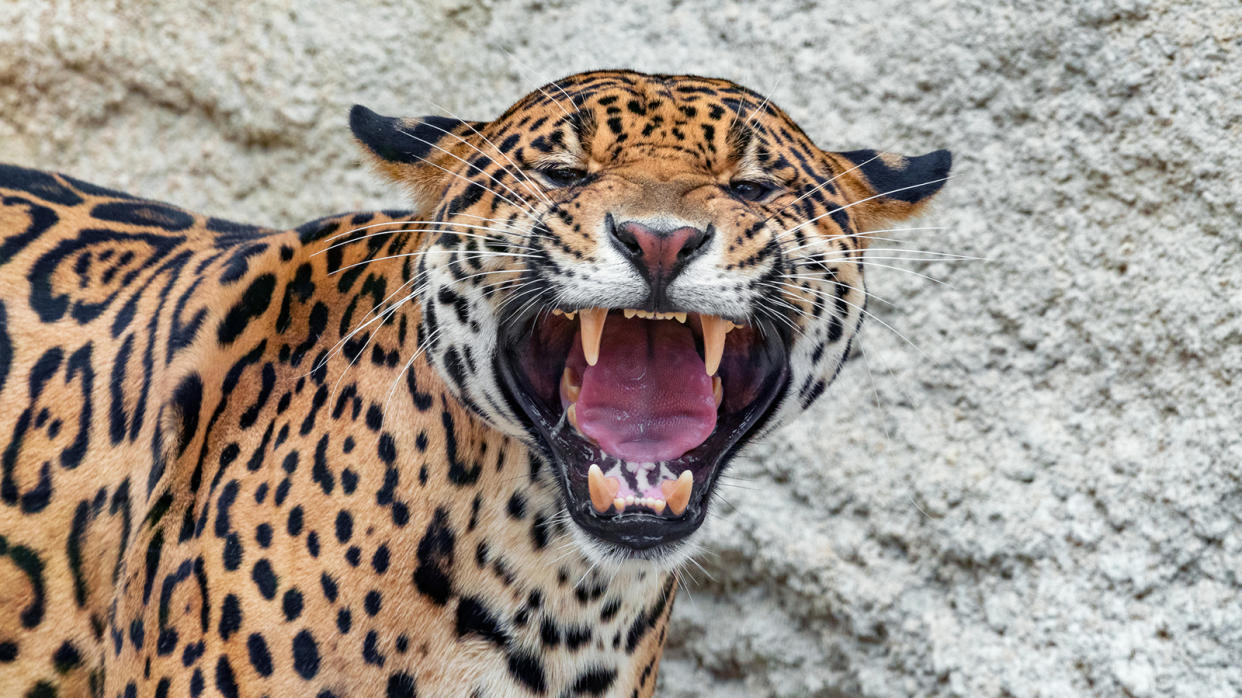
(562, 176)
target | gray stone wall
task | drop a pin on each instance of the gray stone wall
(1035, 489)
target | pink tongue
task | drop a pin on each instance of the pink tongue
(648, 397)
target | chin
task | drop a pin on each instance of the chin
(640, 412)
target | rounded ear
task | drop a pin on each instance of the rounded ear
(412, 152)
(890, 187)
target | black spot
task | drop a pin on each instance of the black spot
(344, 620)
(344, 526)
(387, 448)
(321, 473)
(370, 651)
(294, 524)
(329, 587)
(528, 670)
(435, 559)
(292, 604)
(230, 616)
(264, 578)
(226, 683)
(594, 682)
(186, 401)
(379, 562)
(517, 505)
(305, 655)
(576, 637)
(254, 302)
(260, 657)
(166, 643)
(401, 685)
(474, 618)
(65, 658)
(373, 602)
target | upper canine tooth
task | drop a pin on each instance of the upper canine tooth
(598, 486)
(677, 492)
(592, 330)
(714, 330)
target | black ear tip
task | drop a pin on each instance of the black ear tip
(362, 119)
(937, 162)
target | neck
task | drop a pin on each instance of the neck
(490, 549)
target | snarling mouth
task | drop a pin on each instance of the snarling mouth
(641, 410)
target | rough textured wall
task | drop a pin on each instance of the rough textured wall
(1037, 490)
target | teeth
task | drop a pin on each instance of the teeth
(677, 492)
(592, 330)
(681, 317)
(717, 389)
(570, 385)
(657, 505)
(629, 313)
(570, 314)
(572, 415)
(603, 489)
(619, 503)
(714, 331)
(599, 489)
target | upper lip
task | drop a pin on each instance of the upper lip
(635, 528)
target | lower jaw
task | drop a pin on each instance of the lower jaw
(638, 532)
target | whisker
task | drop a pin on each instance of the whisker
(524, 206)
(861, 201)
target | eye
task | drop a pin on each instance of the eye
(563, 176)
(749, 190)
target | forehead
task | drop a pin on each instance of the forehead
(615, 111)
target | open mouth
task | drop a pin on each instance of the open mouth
(641, 410)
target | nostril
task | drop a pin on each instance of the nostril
(696, 242)
(624, 237)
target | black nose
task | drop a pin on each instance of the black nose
(659, 254)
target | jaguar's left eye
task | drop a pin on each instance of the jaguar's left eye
(749, 190)
(563, 176)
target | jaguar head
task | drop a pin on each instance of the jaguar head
(638, 275)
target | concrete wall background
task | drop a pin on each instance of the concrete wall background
(1043, 498)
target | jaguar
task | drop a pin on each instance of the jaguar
(460, 449)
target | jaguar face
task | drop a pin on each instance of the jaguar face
(638, 275)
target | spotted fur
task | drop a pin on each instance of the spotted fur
(247, 461)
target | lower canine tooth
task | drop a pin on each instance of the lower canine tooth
(677, 492)
(598, 487)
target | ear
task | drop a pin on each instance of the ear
(413, 152)
(886, 187)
